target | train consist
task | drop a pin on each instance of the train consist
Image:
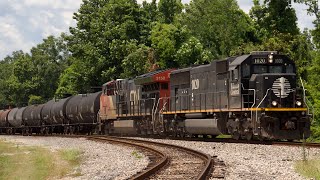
(254, 95)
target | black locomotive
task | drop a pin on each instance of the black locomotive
(254, 95)
(245, 96)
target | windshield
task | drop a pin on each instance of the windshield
(289, 68)
(259, 69)
(275, 69)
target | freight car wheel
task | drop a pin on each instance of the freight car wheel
(249, 136)
(236, 135)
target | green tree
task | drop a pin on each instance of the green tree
(192, 52)
(36, 74)
(220, 25)
(275, 17)
(104, 30)
(314, 9)
(169, 9)
(166, 40)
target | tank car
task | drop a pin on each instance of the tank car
(32, 119)
(58, 115)
(4, 120)
(81, 112)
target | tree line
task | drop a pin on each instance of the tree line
(121, 38)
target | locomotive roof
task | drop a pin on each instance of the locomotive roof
(150, 74)
(156, 76)
(238, 61)
(181, 70)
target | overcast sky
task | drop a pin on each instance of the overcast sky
(24, 23)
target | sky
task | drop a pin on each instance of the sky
(25, 23)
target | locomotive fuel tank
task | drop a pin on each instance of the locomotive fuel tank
(46, 112)
(89, 107)
(12, 116)
(203, 126)
(58, 111)
(125, 127)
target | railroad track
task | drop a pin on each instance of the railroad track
(171, 161)
(230, 140)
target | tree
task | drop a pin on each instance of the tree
(166, 40)
(220, 25)
(192, 52)
(314, 9)
(36, 74)
(137, 62)
(104, 30)
(275, 17)
(169, 9)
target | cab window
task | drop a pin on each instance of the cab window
(259, 69)
(289, 68)
(245, 70)
(275, 69)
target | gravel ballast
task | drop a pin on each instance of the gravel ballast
(100, 160)
(248, 161)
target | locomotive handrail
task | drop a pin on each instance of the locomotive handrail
(154, 114)
(254, 98)
(305, 100)
(261, 102)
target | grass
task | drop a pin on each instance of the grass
(136, 155)
(309, 168)
(224, 136)
(33, 163)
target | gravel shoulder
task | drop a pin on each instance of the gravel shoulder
(247, 161)
(100, 160)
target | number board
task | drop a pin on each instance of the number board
(278, 61)
(260, 61)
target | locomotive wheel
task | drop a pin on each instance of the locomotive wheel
(236, 135)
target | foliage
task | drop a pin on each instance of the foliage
(275, 17)
(35, 100)
(137, 62)
(192, 52)
(219, 25)
(168, 9)
(35, 74)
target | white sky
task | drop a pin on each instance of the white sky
(24, 23)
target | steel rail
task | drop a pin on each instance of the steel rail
(149, 171)
(205, 172)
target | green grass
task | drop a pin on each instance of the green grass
(71, 155)
(33, 163)
(309, 168)
(224, 136)
(136, 155)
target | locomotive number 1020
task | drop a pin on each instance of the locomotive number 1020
(260, 61)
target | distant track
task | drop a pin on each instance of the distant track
(233, 141)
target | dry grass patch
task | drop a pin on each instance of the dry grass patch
(31, 163)
(309, 168)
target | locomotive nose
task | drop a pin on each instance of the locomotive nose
(275, 90)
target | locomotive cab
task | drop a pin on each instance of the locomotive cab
(265, 83)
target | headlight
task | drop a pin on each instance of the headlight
(298, 103)
(274, 103)
(270, 56)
